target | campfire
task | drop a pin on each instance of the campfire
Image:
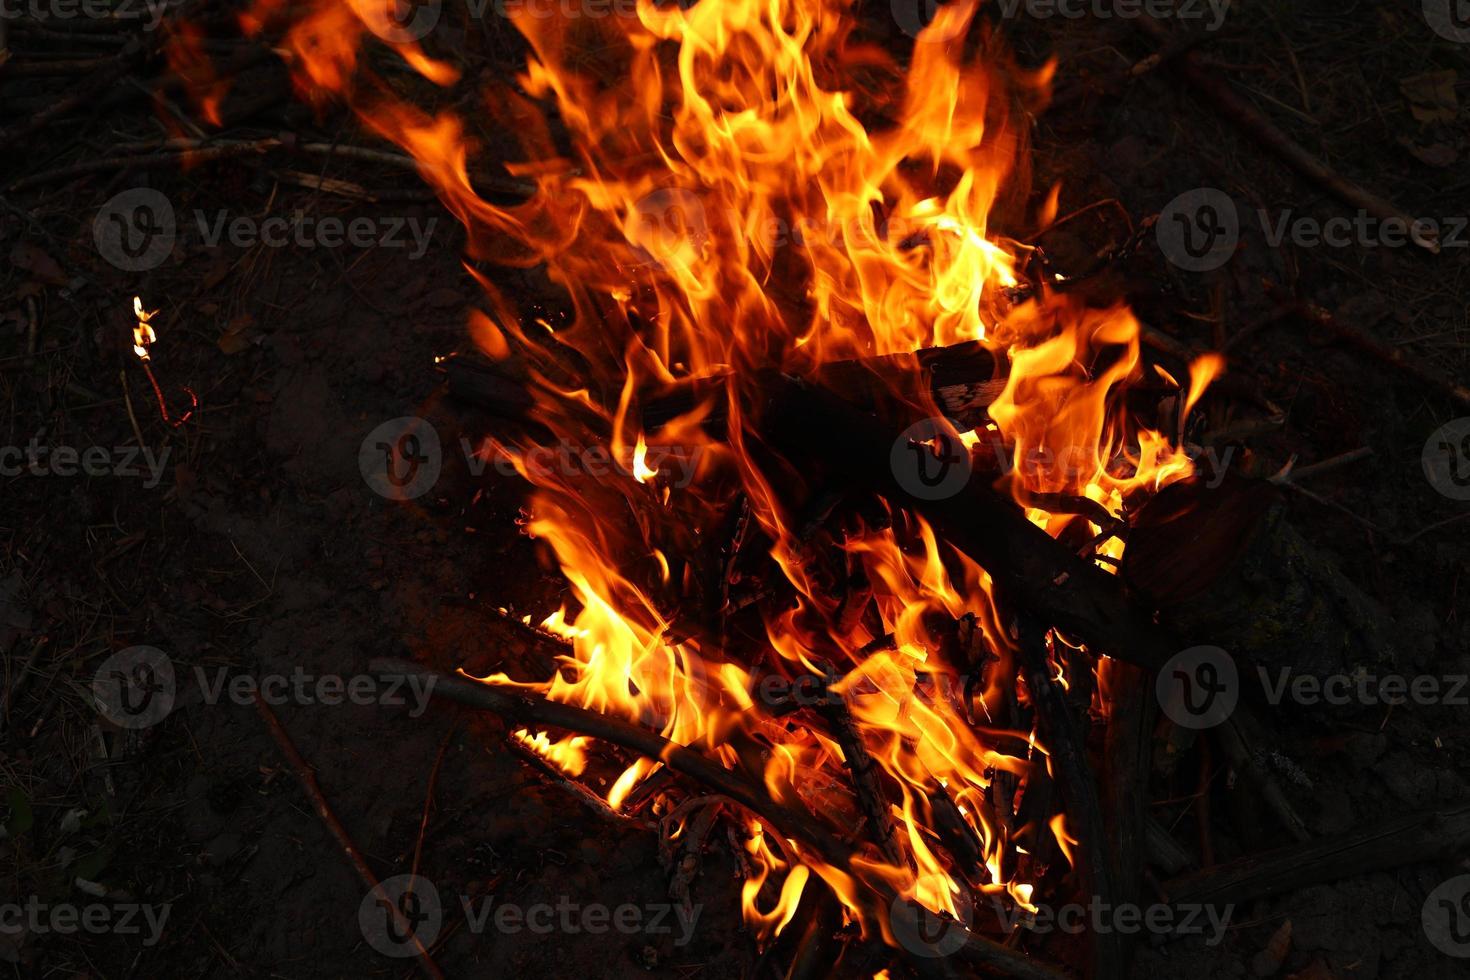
(847, 596)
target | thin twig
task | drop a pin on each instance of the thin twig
(1368, 344)
(418, 847)
(307, 778)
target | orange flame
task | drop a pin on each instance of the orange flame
(742, 186)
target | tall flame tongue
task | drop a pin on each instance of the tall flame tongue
(740, 187)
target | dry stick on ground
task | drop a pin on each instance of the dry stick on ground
(53, 68)
(18, 681)
(132, 55)
(418, 847)
(202, 154)
(1235, 741)
(1293, 473)
(1365, 342)
(323, 809)
(1433, 835)
(515, 705)
(1067, 752)
(1193, 69)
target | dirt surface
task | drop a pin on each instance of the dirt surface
(253, 547)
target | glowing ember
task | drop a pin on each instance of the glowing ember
(143, 337)
(143, 334)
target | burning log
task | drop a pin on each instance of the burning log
(1035, 571)
(865, 774)
(1068, 756)
(1433, 835)
(579, 792)
(516, 706)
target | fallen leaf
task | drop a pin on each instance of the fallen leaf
(33, 260)
(1432, 95)
(1316, 970)
(238, 335)
(1436, 154)
(1268, 961)
(234, 343)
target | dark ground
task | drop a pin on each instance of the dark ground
(262, 549)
